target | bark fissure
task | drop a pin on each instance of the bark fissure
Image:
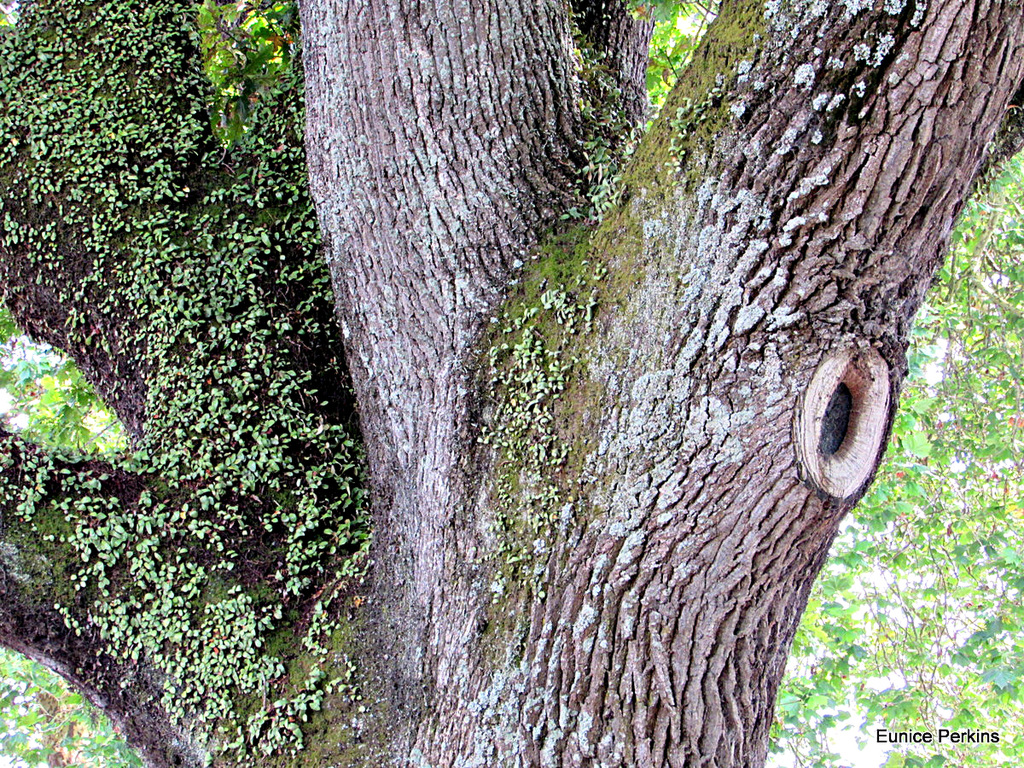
(623, 39)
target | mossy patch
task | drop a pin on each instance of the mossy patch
(697, 109)
(534, 355)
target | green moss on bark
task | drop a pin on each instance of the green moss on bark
(533, 357)
(697, 109)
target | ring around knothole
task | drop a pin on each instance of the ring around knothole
(841, 419)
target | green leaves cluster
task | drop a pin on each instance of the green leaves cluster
(44, 724)
(247, 46)
(687, 121)
(198, 275)
(917, 622)
(44, 396)
(609, 140)
(678, 28)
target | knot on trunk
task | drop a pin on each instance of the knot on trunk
(841, 421)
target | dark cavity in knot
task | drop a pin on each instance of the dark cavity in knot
(836, 421)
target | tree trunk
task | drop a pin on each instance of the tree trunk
(784, 217)
(605, 460)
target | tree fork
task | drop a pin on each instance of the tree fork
(783, 209)
(640, 515)
(623, 37)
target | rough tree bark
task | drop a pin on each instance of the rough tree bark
(790, 206)
(605, 461)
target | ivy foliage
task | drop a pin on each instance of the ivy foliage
(532, 360)
(610, 138)
(192, 270)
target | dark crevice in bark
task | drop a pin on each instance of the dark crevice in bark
(836, 421)
(624, 38)
(1008, 141)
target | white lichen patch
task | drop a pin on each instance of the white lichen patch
(747, 318)
(853, 7)
(794, 223)
(784, 317)
(804, 76)
(808, 183)
(920, 8)
(11, 559)
(883, 48)
(669, 495)
(586, 619)
(836, 101)
(790, 17)
(756, 248)
(787, 141)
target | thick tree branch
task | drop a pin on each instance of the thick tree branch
(431, 184)
(187, 281)
(71, 270)
(60, 217)
(787, 216)
(41, 614)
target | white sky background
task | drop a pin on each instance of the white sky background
(844, 741)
